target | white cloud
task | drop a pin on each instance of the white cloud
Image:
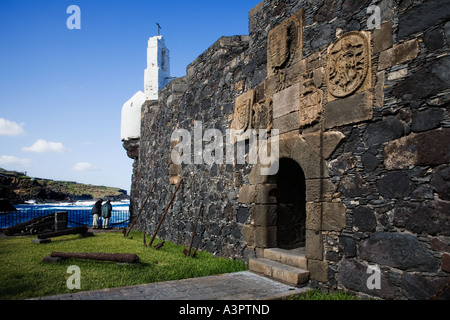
(10, 128)
(41, 146)
(11, 161)
(85, 166)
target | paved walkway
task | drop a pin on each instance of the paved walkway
(244, 285)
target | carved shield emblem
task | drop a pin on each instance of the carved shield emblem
(348, 64)
(278, 46)
(242, 114)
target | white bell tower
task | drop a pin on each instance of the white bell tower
(156, 77)
(157, 74)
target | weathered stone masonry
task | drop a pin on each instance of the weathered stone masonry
(364, 124)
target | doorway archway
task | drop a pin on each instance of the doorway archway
(291, 204)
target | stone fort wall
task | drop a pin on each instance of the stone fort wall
(363, 111)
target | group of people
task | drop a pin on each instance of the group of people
(101, 210)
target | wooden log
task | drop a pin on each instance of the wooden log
(165, 212)
(116, 257)
(126, 232)
(53, 234)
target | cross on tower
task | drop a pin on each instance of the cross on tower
(159, 27)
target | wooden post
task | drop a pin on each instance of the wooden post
(140, 211)
(165, 212)
(194, 230)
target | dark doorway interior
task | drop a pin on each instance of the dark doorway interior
(291, 205)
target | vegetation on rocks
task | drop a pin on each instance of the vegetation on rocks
(17, 187)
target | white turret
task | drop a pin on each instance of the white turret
(157, 74)
(131, 117)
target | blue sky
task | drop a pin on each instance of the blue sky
(62, 91)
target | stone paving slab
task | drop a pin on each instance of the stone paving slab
(244, 285)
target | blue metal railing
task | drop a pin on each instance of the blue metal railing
(119, 218)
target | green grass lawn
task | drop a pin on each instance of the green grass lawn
(318, 295)
(23, 274)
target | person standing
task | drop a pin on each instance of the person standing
(106, 213)
(95, 212)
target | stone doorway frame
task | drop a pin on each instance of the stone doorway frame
(322, 215)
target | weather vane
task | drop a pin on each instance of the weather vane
(159, 27)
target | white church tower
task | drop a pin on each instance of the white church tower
(157, 74)
(156, 77)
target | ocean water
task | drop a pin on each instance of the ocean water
(79, 205)
(78, 213)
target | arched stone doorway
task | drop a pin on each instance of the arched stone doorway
(291, 204)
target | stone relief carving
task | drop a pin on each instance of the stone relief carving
(348, 64)
(310, 103)
(242, 119)
(262, 118)
(285, 43)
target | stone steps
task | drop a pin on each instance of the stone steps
(288, 266)
(293, 257)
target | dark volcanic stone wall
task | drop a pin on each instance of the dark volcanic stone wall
(384, 197)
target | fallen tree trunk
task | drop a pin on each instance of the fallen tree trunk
(74, 230)
(116, 257)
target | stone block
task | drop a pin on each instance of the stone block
(247, 194)
(319, 190)
(364, 219)
(287, 122)
(428, 119)
(349, 110)
(248, 234)
(395, 184)
(314, 245)
(347, 246)
(313, 216)
(422, 16)
(429, 79)
(259, 194)
(420, 287)
(352, 274)
(445, 263)
(440, 181)
(394, 249)
(318, 270)
(399, 53)
(389, 128)
(264, 215)
(266, 237)
(255, 176)
(326, 144)
(379, 89)
(430, 217)
(426, 148)
(292, 145)
(333, 216)
(382, 38)
(286, 101)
